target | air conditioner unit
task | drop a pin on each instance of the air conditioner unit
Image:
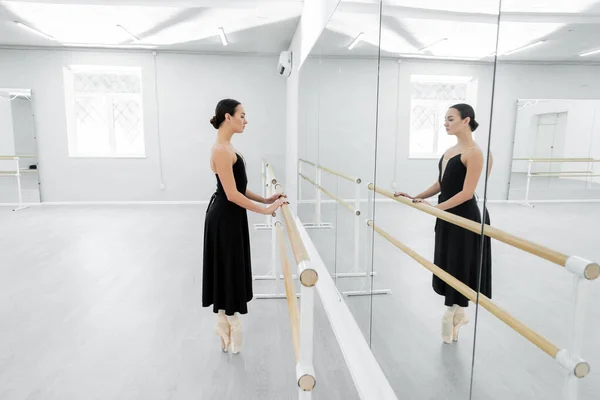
(284, 67)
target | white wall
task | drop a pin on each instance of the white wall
(189, 87)
(338, 100)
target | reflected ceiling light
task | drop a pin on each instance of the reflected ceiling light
(31, 29)
(433, 44)
(355, 41)
(428, 57)
(528, 46)
(131, 35)
(589, 53)
(223, 37)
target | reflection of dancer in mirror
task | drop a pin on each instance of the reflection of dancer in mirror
(227, 275)
(457, 250)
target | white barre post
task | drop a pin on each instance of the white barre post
(305, 369)
(18, 175)
(357, 218)
(318, 200)
(299, 179)
(269, 187)
(583, 271)
(369, 242)
(576, 333)
(528, 182)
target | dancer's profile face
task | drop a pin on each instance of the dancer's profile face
(238, 120)
(454, 124)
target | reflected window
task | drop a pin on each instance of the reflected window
(431, 95)
(104, 111)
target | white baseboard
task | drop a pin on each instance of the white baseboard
(349, 201)
(121, 203)
(542, 201)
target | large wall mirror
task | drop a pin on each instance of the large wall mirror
(19, 183)
(545, 192)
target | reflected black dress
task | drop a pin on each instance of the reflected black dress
(457, 250)
(227, 274)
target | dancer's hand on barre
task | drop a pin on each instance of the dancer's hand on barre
(398, 194)
(273, 207)
(271, 200)
(421, 201)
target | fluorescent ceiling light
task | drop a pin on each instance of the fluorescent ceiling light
(223, 37)
(589, 53)
(131, 35)
(432, 45)
(110, 46)
(31, 29)
(355, 41)
(528, 46)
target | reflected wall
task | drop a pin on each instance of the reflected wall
(337, 131)
(543, 189)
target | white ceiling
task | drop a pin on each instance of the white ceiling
(462, 29)
(466, 29)
(250, 26)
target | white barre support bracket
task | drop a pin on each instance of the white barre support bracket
(583, 268)
(306, 377)
(572, 363)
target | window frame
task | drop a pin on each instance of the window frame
(470, 98)
(109, 99)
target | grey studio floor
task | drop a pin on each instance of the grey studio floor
(103, 302)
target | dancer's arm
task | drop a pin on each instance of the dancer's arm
(430, 191)
(255, 197)
(474, 164)
(224, 169)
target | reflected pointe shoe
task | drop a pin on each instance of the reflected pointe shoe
(448, 327)
(236, 335)
(460, 319)
(223, 331)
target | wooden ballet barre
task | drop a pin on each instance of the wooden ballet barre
(332, 172)
(308, 276)
(577, 265)
(273, 180)
(334, 197)
(290, 293)
(341, 175)
(579, 367)
(12, 158)
(307, 162)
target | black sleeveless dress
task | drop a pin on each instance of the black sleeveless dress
(227, 270)
(457, 250)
